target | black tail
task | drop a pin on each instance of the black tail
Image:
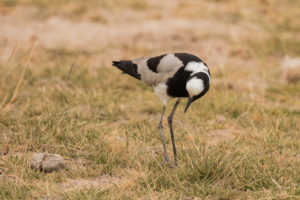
(127, 67)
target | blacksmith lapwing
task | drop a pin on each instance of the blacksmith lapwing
(173, 75)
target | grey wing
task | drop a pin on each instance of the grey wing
(158, 69)
(164, 63)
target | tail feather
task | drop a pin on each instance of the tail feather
(126, 66)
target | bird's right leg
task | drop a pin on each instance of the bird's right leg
(170, 122)
(160, 127)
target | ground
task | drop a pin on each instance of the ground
(240, 141)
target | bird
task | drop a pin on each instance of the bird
(171, 75)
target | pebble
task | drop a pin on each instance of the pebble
(220, 119)
(47, 162)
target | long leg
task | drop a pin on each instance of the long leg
(160, 127)
(170, 121)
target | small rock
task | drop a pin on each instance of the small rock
(53, 162)
(290, 69)
(220, 119)
(47, 162)
(37, 160)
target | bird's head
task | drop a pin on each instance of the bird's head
(197, 85)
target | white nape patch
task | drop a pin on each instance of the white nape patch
(196, 67)
(194, 86)
(169, 63)
(161, 91)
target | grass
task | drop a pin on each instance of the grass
(105, 124)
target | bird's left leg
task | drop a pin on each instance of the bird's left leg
(170, 121)
(160, 127)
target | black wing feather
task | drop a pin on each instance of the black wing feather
(126, 66)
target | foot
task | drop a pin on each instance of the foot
(166, 158)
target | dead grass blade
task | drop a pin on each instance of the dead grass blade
(71, 69)
(16, 91)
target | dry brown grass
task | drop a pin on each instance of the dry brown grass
(241, 141)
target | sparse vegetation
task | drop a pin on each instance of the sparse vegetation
(241, 141)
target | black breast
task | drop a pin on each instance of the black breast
(176, 84)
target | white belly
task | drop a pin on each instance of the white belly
(161, 91)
